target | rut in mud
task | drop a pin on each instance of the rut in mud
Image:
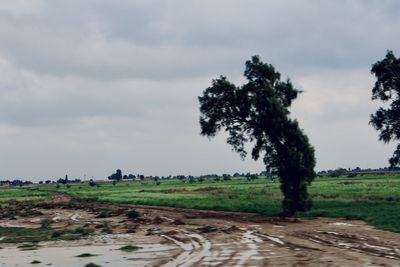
(182, 237)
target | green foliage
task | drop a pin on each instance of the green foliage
(386, 88)
(21, 234)
(109, 212)
(92, 265)
(83, 231)
(258, 112)
(21, 194)
(374, 198)
(106, 228)
(25, 247)
(86, 255)
(129, 248)
(133, 214)
(45, 223)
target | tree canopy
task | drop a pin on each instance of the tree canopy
(258, 112)
(386, 89)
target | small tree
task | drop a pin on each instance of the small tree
(387, 87)
(258, 112)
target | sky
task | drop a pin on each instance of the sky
(89, 86)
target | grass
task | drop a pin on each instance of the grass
(22, 193)
(129, 248)
(373, 198)
(92, 265)
(25, 247)
(35, 235)
(86, 255)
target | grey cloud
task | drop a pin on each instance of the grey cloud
(90, 86)
(159, 39)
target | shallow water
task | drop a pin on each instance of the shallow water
(107, 255)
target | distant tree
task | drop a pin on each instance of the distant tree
(92, 183)
(252, 177)
(258, 111)
(125, 177)
(118, 175)
(226, 177)
(387, 88)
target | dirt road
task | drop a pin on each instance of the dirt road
(182, 237)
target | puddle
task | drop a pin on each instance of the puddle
(107, 255)
(341, 224)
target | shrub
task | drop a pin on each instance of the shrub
(92, 265)
(45, 223)
(106, 228)
(83, 231)
(133, 214)
(129, 248)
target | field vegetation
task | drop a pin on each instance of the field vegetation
(373, 198)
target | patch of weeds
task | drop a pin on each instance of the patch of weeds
(92, 265)
(105, 213)
(25, 247)
(133, 214)
(83, 231)
(129, 248)
(56, 234)
(45, 223)
(35, 262)
(86, 255)
(106, 228)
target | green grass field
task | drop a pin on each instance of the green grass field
(22, 193)
(373, 198)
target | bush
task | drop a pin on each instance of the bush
(83, 231)
(45, 223)
(106, 228)
(129, 248)
(56, 234)
(133, 214)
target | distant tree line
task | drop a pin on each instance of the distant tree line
(357, 171)
(15, 182)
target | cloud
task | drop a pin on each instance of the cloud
(18, 8)
(91, 86)
(334, 111)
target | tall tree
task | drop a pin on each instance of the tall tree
(387, 88)
(257, 112)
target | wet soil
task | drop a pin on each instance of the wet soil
(184, 237)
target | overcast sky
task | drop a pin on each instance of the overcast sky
(89, 86)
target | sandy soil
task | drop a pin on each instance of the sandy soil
(183, 237)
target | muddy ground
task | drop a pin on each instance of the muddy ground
(183, 237)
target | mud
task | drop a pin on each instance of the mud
(183, 237)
